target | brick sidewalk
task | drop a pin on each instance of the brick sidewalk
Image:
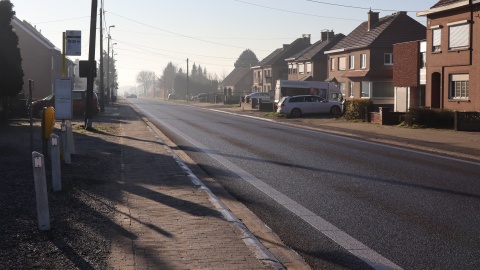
(165, 222)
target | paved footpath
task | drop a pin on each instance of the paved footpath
(165, 221)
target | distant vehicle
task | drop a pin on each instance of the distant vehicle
(203, 97)
(296, 106)
(263, 96)
(132, 96)
(79, 100)
(171, 97)
(325, 90)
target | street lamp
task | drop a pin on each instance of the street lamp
(108, 65)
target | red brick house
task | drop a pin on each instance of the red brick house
(311, 64)
(274, 67)
(409, 75)
(362, 62)
(453, 52)
(240, 80)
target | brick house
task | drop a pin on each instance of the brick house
(453, 52)
(362, 62)
(274, 67)
(409, 75)
(41, 60)
(239, 82)
(311, 64)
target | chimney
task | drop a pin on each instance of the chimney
(306, 38)
(372, 19)
(327, 35)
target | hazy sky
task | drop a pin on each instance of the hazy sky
(210, 33)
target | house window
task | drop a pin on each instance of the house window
(388, 59)
(382, 90)
(309, 68)
(342, 63)
(423, 60)
(332, 63)
(351, 61)
(301, 68)
(342, 88)
(365, 93)
(437, 40)
(294, 68)
(352, 88)
(363, 60)
(459, 86)
(459, 35)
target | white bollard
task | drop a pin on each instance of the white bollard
(71, 142)
(43, 214)
(66, 151)
(56, 168)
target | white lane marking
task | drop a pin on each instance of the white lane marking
(346, 241)
(347, 137)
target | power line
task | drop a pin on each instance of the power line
(182, 53)
(347, 6)
(63, 20)
(294, 12)
(182, 35)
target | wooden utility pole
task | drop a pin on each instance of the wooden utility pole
(91, 64)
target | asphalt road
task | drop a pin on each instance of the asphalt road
(338, 201)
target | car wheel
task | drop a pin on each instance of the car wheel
(335, 110)
(296, 112)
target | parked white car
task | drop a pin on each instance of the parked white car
(296, 106)
(263, 96)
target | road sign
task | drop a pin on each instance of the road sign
(63, 99)
(73, 43)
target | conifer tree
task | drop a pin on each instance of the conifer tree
(11, 72)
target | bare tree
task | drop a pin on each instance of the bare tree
(146, 79)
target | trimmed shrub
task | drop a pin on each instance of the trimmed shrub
(357, 109)
(430, 118)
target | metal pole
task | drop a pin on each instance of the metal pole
(108, 65)
(102, 86)
(187, 78)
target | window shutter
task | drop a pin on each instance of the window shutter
(437, 37)
(459, 35)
